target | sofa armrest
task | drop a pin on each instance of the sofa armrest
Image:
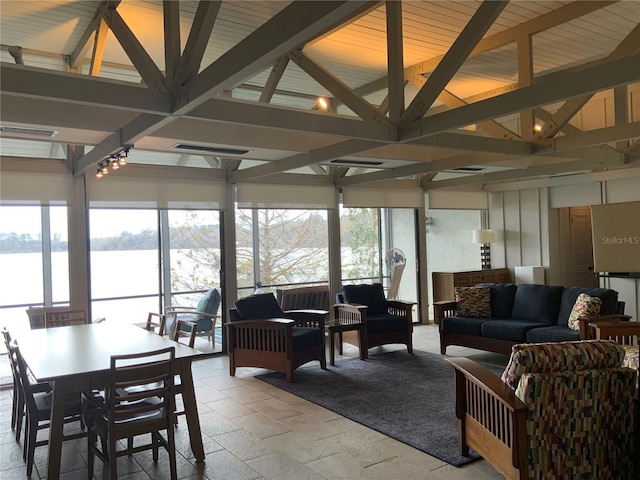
(445, 308)
(491, 418)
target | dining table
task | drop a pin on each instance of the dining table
(77, 358)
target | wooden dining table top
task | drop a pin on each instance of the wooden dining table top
(86, 349)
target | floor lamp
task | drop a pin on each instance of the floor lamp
(484, 237)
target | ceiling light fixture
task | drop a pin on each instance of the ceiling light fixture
(537, 128)
(322, 103)
(115, 161)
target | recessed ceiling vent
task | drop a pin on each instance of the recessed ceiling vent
(469, 169)
(214, 150)
(356, 163)
(40, 132)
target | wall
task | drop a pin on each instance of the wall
(531, 227)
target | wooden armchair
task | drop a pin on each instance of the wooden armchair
(260, 334)
(386, 321)
(524, 431)
(204, 316)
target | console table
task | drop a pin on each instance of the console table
(444, 283)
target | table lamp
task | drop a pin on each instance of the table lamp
(484, 237)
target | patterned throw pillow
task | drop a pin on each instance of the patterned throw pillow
(473, 302)
(585, 305)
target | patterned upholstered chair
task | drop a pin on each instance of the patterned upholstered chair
(560, 410)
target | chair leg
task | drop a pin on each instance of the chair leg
(91, 442)
(155, 441)
(20, 415)
(14, 405)
(171, 450)
(113, 459)
(30, 442)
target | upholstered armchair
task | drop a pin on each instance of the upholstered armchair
(560, 410)
(203, 316)
(386, 321)
(260, 334)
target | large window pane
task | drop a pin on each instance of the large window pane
(125, 270)
(194, 243)
(292, 247)
(360, 245)
(59, 254)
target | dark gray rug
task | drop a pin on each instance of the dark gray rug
(406, 397)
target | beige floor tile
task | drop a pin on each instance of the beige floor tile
(278, 466)
(300, 447)
(231, 408)
(223, 465)
(261, 425)
(310, 426)
(364, 452)
(246, 394)
(340, 467)
(245, 445)
(275, 408)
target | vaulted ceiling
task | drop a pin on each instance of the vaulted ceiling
(448, 94)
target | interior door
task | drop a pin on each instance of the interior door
(582, 247)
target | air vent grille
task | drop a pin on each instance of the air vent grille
(469, 169)
(40, 132)
(356, 163)
(215, 150)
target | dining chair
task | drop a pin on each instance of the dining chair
(154, 320)
(65, 318)
(38, 410)
(18, 403)
(130, 409)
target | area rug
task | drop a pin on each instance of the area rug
(406, 397)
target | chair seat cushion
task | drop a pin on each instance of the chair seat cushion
(464, 325)
(305, 337)
(386, 323)
(203, 324)
(554, 333)
(508, 329)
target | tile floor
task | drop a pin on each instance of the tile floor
(252, 430)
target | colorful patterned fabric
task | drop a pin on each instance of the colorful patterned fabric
(580, 424)
(559, 357)
(631, 357)
(585, 306)
(473, 302)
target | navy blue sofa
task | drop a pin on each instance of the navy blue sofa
(522, 314)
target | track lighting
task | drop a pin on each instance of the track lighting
(115, 161)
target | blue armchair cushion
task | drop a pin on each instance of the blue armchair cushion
(609, 299)
(209, 304)
(537, 303)
(386, 323)
(370, 295)
(305, 337)
(262, 305)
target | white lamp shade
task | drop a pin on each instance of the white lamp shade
(484, 236)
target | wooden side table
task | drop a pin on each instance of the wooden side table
(337, 327)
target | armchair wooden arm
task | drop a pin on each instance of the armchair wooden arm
(346, 313)
(442, 309)
(587, 331)
(402, 308)
(622, 332)
(491, 419)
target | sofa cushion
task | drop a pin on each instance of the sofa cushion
(552, 333)
(371, 295)
(386, 323)
(473, 302)
(465, 325)
(561, 356)
(261, 305)
(537, 303)
(305, 337)
(585, 305)
(570, 294)
(508, 329)
(502, 297)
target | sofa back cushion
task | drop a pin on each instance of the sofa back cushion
(502, 298)
(559, 357)
(570, 295)
(371, 295)
(537, 303)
